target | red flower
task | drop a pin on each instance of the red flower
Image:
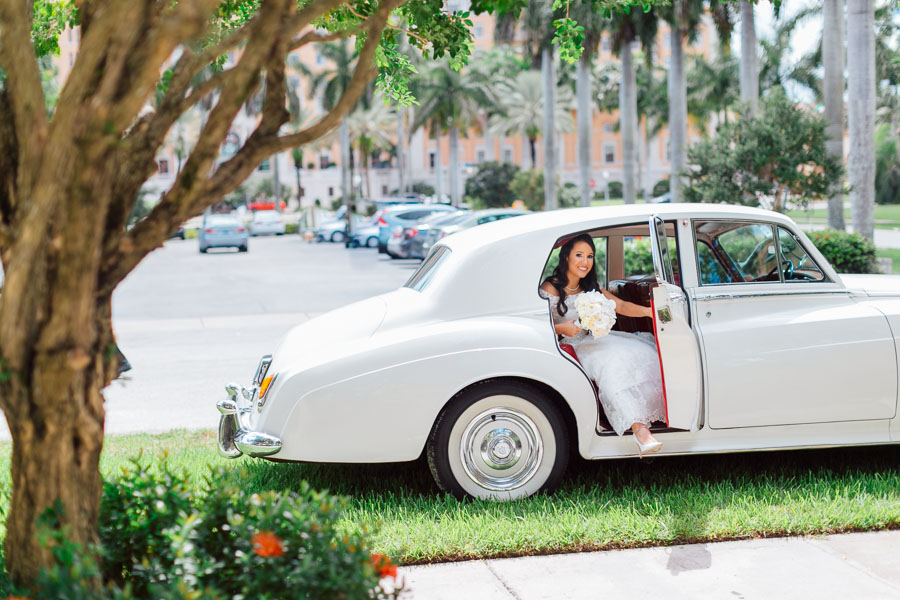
(383, 566)
(267, 544)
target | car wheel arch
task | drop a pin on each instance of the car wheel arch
(548, 391)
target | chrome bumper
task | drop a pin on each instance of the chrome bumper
(234, 438)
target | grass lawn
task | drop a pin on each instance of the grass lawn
(887, 216)
(893, 254)
(602, 504)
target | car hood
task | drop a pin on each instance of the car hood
(873, 285)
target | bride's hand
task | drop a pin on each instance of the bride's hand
(568, 329)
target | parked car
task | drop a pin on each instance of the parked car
(403, 214)
(474, 218)
(334, 229)
(222, 231)
(178, 233)
(366, 236)
(762, 346)
(267, 222)
(412, 236)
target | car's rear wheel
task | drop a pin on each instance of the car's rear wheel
(372, 242)
(202, 250)
(337, 237)
(499, 440)
(242, 248)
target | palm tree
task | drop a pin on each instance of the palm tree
(749, 64)
(331, 85)
(778, 69)
(451, 101)
(833, 88)
(371, 129)
(626, 30)
(593, 23)
(522, 103)
(713, 87)
(861, 112)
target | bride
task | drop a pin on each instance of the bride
(624, 366)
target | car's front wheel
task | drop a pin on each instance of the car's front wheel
(499, 440)
(372, 242)
(337, 237)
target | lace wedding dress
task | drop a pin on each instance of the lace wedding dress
(625, 367)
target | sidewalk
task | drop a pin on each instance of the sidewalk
(856, 565)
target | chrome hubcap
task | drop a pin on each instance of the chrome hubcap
(501, 449)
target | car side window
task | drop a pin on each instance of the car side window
(795, 263)
(487, 219)
(730, 252)
(711, 270)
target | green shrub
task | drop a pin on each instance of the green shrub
(489, 186)
(616, 190)
(660, 188)
(290, 228)
(568, 196)
(528, 186)
(163, 539)
(847, 252)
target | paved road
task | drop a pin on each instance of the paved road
(189, 323)
(862, 565)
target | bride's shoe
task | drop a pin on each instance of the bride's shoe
(648, 448)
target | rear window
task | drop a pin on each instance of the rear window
(221, 220)
(426, 272)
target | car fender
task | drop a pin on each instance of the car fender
(379, 402)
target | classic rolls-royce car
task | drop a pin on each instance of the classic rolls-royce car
(762, 346)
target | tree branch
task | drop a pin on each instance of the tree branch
(233, 172)
(177, 203)
(313, 37)
(26, 97)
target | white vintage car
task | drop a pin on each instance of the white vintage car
(763, 346)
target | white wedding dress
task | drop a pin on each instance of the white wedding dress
(625, 367)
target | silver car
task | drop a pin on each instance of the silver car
(267, 222)
(477, 217)
(222, 231)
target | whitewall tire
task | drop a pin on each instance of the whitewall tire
(498, 440)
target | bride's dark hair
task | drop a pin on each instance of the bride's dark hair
(560, 276)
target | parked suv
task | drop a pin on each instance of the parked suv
(400, 215)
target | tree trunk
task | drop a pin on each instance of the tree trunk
(401, 152)
(549, 129)
(749, 67)
(677, 104)
(833, 84)
(529, 153)
(861, 113)
(454, 165)
(346, 191)
(276, 182)
(627, 117)
(489, 154)
(647, 182)
(584, 114)
(438, 161)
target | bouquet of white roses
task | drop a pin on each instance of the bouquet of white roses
(596, 313)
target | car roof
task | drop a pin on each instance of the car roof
(506, 257)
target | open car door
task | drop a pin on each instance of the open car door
(679, 353)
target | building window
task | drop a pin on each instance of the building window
(384, 190)
(605, 43)
(320, 60)
(507, 155)
(431, 160)
(302, 192)
(330, 191)
(609, 153)
(324, 161)
(70, 35)
(71, 59)
(264, 165)
(479, 31)
(479, 156)
(163, 166)
(608, 128)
